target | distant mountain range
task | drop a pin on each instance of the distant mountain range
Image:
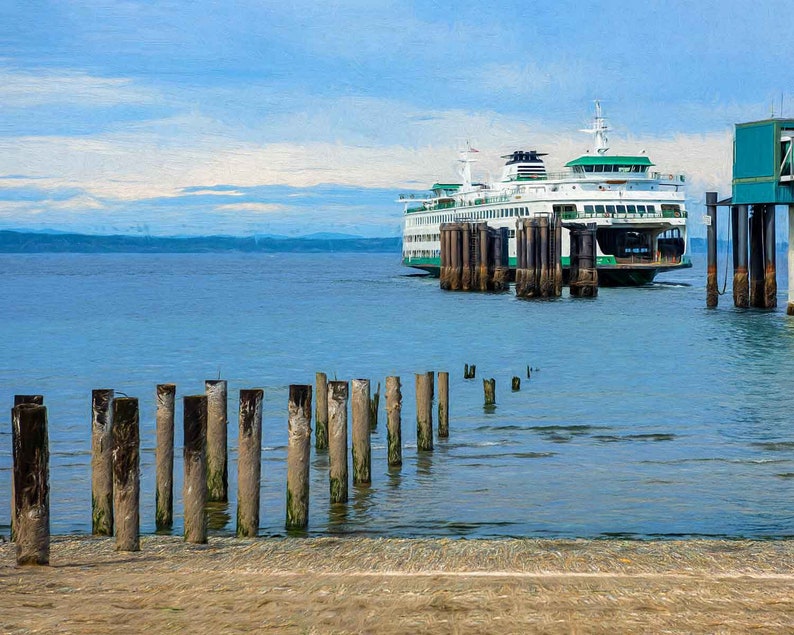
(36, 242)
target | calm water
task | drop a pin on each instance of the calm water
(649, 415)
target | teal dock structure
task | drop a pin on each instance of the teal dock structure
(763, 177)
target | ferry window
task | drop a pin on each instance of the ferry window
(599, 209)
(598, 168)
(642, 168)
(651, 209)
(588, 168)
(632, 209)
(621, 209)
(641, 209)
(611, 209)
(588, 209)
(512, 233)
(624, 168)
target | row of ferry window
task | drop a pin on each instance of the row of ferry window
(615, 168)
(620, 209)
(422, 253)
(480, 214)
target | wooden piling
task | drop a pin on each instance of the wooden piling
(531, 277)
(583, 271)
(557, 255)
(164, 457)
(521, 257)
(456, 272)
(321, 412)
(249, 462)
(443, 404)
(19, 400)
(757, 298)
(489, 390)
(194, 491)
(362, 461)
(126, 473)
(770, 265)
(741, 278)
(298, 452)
(337, 440)
(374, 404)
(31, 484)
(443, 269)
(394, 421)
(102, 462)
(516, 384)
(217, 433)
(424, 412)
(712, 290)
(465, 247)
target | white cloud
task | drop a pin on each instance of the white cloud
(259, 208)
(22, 89)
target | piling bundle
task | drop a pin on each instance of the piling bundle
(538, 257)
(583, 272)
(473, 257)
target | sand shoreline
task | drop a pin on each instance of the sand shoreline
(389, 585)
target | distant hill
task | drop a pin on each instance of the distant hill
(32, 242)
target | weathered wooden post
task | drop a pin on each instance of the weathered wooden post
(374, 403)
(712, 290)
(520, 257)
(102, 462)
(31, 484)
(443, 404)
(164, 457)
(394, 421)
(194, 491)
(217, 431)
(321, 412)
(770, 264)
(362, 457)
(424, 412)
(443, 271)
(531, 276)
(484, 273)
(249, 462)
(757, 257)
(465, 247)
(516, 384)
(741, 279)
(456, 272)
(545, 281)
(790, 261)
(337, 442)
(126, 474)
(489, 389)
(298, 452)
(558, 255)
(19, 400)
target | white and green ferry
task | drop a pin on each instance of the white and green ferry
(639, 214)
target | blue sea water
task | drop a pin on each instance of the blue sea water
(647, 414)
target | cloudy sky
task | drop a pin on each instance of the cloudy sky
(296, 117)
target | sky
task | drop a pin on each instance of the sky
(291, 118)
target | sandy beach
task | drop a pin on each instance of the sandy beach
(370, 585)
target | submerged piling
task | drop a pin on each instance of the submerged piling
(102, 462)
(321, 411)
(516, 384)
(298, 452)
(443, 404)
(489, 391)
(712, 290)
(217, 433)
(249, 462)
(394, 421)
(424, 412)
(126, 474)
(337, 440)
(31, 484)
(194, 492)
(164, 457)
(362, 455)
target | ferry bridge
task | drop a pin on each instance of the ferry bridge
(763, 177)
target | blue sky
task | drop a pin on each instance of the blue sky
(292, 118)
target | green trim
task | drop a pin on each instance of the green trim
(608, 160)
(446, 186)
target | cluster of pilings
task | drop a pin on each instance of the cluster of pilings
(538, 257)
(474, 257)
(115, 441)
(583, 274)
(754, 261)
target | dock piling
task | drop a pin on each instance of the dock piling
(362, 454)
(298, 452)
(164, 457)
(194, 492)
(443, 404)
(321, 411)
(19, 400)
(394, 421)
(489, 390)
(217, 434)
(102, 462)
(712, 290)
(424, 412)
(337, 440)
(249, 462)
(126, 473)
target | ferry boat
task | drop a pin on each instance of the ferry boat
(639, 214)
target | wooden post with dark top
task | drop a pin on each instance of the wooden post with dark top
(712, 290)
(298, 452)
(19, 400)
(394, 400)
(362, 455)
(249, 462)
(31, 484)
(321, 411)
(456, 271)
(531, 277)
(516, 384)
(164, 457)
(489, 389)
(194, 491)
(217, 433)
(424, 412)
(126, 474)
(484, 273)
(443, 404)
(102, 462)
(337, 441)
